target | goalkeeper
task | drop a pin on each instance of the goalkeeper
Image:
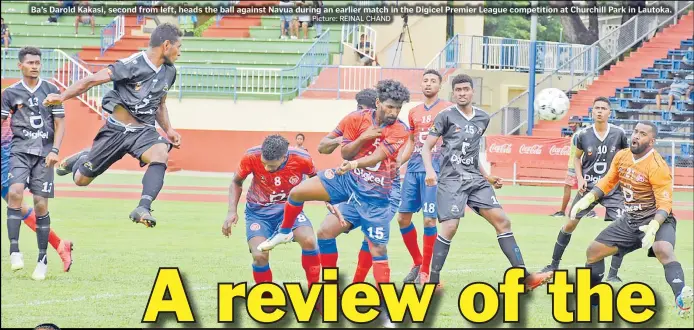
(649, 223)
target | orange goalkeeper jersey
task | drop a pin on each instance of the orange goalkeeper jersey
(646, 184)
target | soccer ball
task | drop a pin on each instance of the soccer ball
(551, 104)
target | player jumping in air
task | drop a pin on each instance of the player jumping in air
(416, 195)
(347, 217)
(37, 133)
(365, 181)
(137, 100)
(276, 169)
(649, 223)
(596, 147)
(463, 181)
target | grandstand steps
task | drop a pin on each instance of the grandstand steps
(619, 74)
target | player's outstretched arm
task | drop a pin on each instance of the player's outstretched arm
(164, 122)
(79, 87)
(235, 190)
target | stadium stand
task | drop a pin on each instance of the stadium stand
(631, 85)
(206, 61)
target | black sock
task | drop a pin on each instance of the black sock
(675, 277)
(559, 247)
(614, 265)
(440, 253)
(597, 271)
(508, 245)
(14, 221)
(152, 183)
(43, 228)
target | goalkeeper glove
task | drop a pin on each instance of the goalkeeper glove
(649, 230)
(582, 204)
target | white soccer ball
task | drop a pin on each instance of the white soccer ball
(551, 104)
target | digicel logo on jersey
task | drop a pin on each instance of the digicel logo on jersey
(358, 302)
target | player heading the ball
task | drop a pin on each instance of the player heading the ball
(141, 83)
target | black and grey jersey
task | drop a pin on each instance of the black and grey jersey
(139, 86)
(31, 122)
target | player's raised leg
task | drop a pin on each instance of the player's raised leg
(308, 190)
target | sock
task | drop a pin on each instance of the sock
(30, 221)
(439, 258)
(364, 263)
(597, 271)
(428, 248)
(508, 245)
(292, 210)
(310, 261)
(152, 183)
(262, 274)
(559, 247)
(409, 236)
(675, 277)
(614, 266)
(381, 270)
(328, 252)
(43, 227)
(14, 219)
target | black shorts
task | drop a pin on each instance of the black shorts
(613, 203)
(628, 237)
(114, 141)
(31, 170)
(453, 195)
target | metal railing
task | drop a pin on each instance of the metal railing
(112, 32)
(62, 69)
(360, 38)
(497, 53)
(234, 81)
(638, 28)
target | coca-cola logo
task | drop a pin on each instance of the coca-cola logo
(559, 151)
(500, 148)
(534, 149)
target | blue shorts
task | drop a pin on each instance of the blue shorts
(416, 195)
(266, 220)
(5, 170)
(373, 220)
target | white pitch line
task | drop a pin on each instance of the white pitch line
(109, 296)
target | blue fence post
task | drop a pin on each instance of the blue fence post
(531, 89)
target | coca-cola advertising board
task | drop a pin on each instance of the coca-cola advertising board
(527, 149)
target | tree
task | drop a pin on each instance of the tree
(518, 26)
(574, 30)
